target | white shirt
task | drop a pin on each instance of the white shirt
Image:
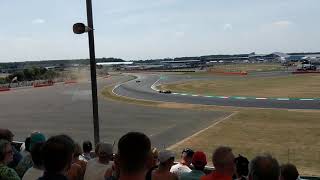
(179, 168)
(32, 174)
(95, 170)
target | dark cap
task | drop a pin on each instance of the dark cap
(188, 152)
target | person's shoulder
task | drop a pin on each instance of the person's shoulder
(9, 173)
(175, 167)
(184, 168)
(205, 177)
(183, 175)
(32, 173)
(174, 176)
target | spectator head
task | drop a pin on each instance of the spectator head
(264, 167)
(77, 150)
(57, 154)
(6, 153)
(134, 151)
(105, 152)
(6, 134)
(186, 156)
(36, 137)
(199, 160)
(166, 159)
(242, 166)
(36, 152)
(223, 160)
(289, 172)
(27, 144)
(87, 146)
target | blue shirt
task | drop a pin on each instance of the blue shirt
(193, 175)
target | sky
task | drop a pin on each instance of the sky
(33, 30)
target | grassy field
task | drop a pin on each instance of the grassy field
(247, 67)
(287, 135)
(290, 86)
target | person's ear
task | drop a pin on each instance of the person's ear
(149, 162)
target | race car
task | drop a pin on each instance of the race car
(165, 91)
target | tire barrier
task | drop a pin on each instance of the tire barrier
(243, 73)
(70, 82)
(2, 89)
(43, 84)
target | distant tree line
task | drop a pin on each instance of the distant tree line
(30, 74)
(60, 63)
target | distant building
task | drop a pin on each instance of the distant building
(114, 63)
(181, 64)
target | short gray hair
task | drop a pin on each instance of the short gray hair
(264, 167)
(220, 156)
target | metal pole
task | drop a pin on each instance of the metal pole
(93, 74)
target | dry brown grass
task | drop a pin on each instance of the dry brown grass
(288, 135)
(247, 67)
(290, 86)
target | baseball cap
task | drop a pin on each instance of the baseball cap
(36, 137)
(165, 155)
(199, 159)
(106, 148)
(189, 152)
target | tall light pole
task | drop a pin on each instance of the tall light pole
(80, 28)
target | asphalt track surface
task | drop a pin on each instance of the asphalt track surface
(142, 90)
(67, 109)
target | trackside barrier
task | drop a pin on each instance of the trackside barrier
(4, 89)
(43, 84)
(231, 73)
(70, 82)
(306, 72)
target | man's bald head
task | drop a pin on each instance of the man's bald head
(223, 160)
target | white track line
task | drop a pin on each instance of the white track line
(306, 99)
(240, 97)
(197, 133)
(153, 87)
(261, 98)
(283, 99)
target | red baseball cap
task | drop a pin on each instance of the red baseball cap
(199, 158)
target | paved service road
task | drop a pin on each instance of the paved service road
(67, 109)
(142, 90)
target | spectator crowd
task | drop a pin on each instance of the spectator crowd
(60, 158)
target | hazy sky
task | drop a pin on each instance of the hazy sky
(141, 29)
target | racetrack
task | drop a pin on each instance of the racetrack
(142, 90)
(66, 108)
